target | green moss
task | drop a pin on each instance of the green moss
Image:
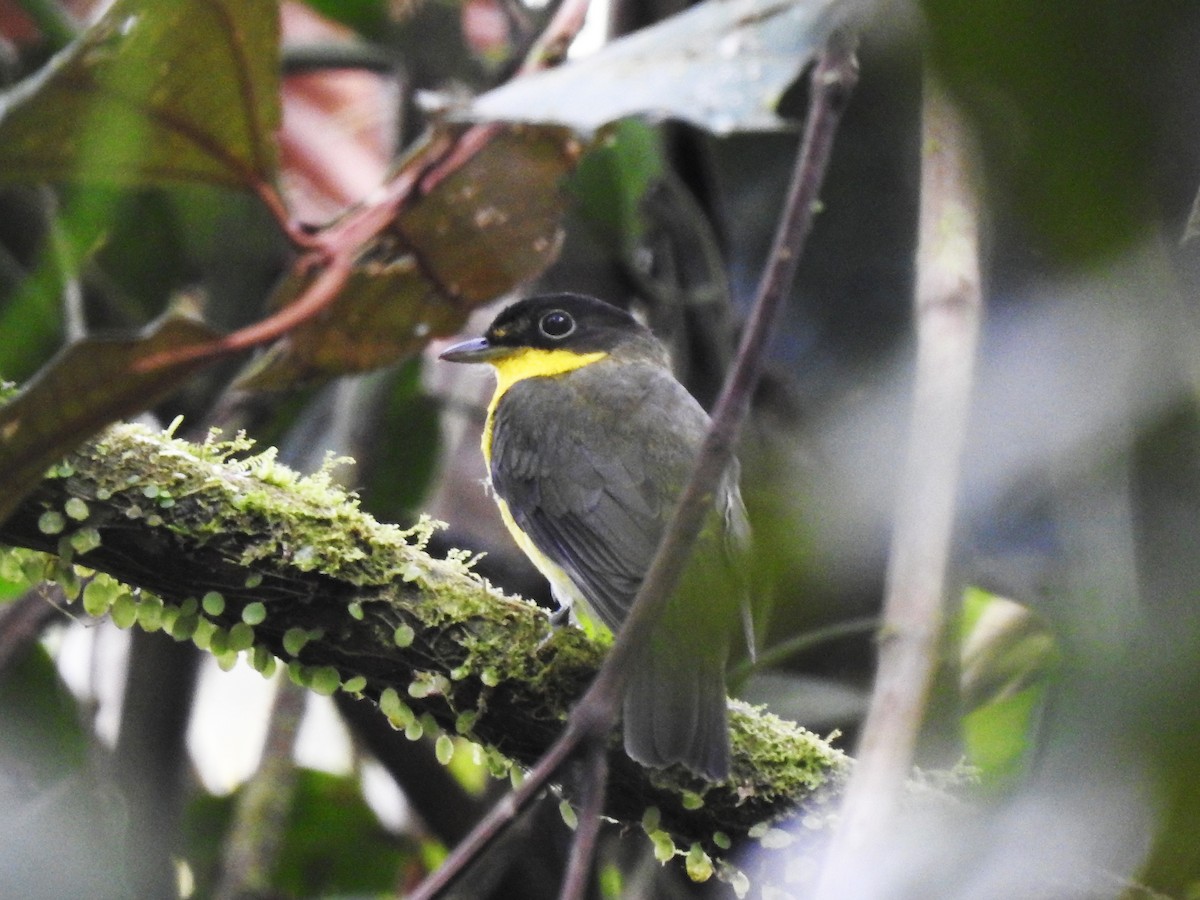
(51, 522)
(263, 661)
(241, 637)
(123, 611)
(99, 594)
(297, 674)
(213, 603)
(428, 684)
(698, 864)
(651, 819)
(664, 846)
(203, 632)
(150, 612)
(324, 680)
(464, 724)
(84, 540)
(218, 641)
(254, 613)
(294, 640)
(471, 639)
(396, 710)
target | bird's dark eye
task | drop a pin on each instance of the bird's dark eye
(556, 324)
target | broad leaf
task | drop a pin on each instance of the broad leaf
(492, 224)
(153, 93)
(88, 385)
(721, 65)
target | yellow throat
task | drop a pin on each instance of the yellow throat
(521, 364)
(529, 363)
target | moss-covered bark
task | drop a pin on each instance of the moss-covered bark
(241, 554)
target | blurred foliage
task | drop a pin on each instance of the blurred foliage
(670, 69)
(1008, 659)
(1064, 96)
(135, 100)
(43, 738)
(333, 842)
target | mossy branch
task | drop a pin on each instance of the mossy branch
(240, 554)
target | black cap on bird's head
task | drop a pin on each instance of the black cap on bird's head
(551, 322)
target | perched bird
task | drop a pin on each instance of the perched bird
(589, 441)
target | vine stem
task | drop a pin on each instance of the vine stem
(947, 309)
(833, 78)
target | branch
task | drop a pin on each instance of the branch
(948, 307)
(243, 555)
(833, 78)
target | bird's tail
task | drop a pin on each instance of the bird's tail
(675, 708)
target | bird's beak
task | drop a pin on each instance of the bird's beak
(473, 351)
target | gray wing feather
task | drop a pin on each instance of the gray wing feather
(599, 514)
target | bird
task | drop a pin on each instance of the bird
(589, 440)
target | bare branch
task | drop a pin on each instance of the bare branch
(948, 307)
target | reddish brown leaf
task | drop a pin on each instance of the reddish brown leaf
(86, 386)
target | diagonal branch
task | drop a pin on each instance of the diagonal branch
(832, 80)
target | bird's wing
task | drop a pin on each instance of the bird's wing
(592, 483)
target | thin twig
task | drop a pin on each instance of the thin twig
(587, 830)
(550, 48)
(801, 643)
(499, 817)
(59, 247)
(948, 305)
(833, 78)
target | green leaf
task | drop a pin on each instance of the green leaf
(334, 844)
(1070, 144)
(41, 721)
(1005, 648)
(153, 93)
(614, 177)
(364, 16)
(89, 384)
(1009, 656)
(998, 737)
(722, 65)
